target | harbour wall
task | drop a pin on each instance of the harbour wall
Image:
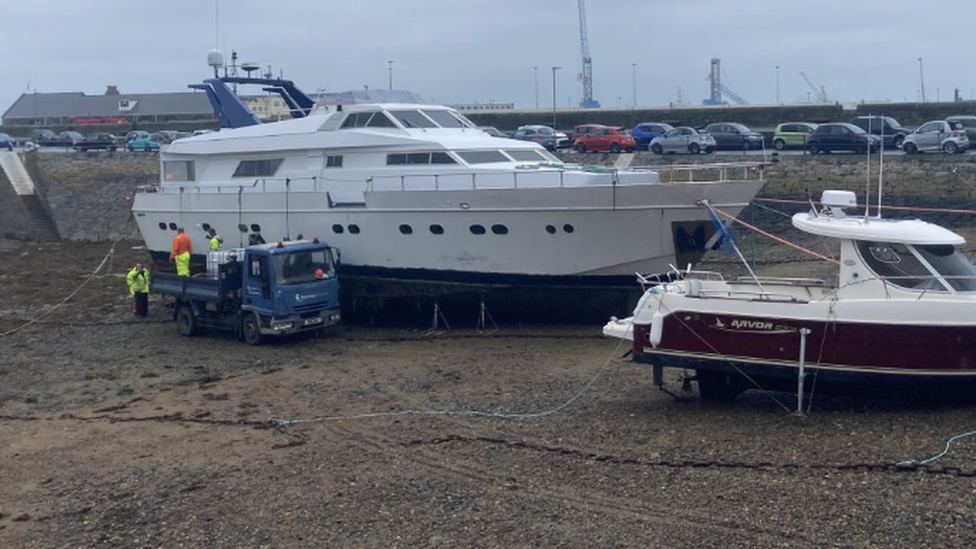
(89, 194)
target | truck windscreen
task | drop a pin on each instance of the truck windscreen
(305, 266)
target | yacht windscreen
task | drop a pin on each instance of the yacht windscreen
(483, 157)
(413, 119)
(895, 263)
(368, 119)
(526, 155)
(444, 119)
(950, 263)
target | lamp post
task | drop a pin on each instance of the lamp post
(389, 68)
(554, 69)
(536, 77)
(633, 77)
(777, 84)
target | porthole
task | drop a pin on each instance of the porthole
(406, 229)
(568, 228)
(255, 227)
(172, 226)
(353, 228)
(241, 228)
(550, 229)
(436, 229)
(162, 226)
(499, 229)
(477, 229)
(205, 226)
(338, 229)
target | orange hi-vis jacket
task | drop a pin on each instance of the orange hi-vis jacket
(181, 245)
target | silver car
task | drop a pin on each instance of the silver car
(937, 136)
(682, 140)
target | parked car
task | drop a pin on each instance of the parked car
(147, 143)
(97, 141)
(490, 130)
(894, 133)
(841, 136)
(937, 136)
(64, 139)
(968, 124)
(644, 132)
(134, 134)
(7, 142)
(543, 135)
(734, 136)
(606, 138)
(584, 129)
(41, 137)
(683, 140)
(792, 135)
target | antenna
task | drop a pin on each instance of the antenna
(216, 24)
(867, 190)
(881, 171)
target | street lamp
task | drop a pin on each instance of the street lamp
(633, 67)
(554, 69)
(389, 68)
(536, 77)
(777, 84)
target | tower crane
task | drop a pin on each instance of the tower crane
(820, 93)
(587, 75)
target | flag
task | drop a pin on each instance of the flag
(726, 240)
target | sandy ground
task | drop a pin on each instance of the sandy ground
(116, 432)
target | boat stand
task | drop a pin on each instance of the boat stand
(801, 374)
(484, 317)
(438, 318)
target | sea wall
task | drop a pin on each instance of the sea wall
(89, 194)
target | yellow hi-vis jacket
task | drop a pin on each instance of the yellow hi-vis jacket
(138, 281)
(215, 242)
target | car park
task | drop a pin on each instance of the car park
(7, 142)
(937, 136)
(733, 136)
(644, 132)
(683, 140)
(605, 138)
(149, 142)
(792, 135)
(841, 136)
(883, 126)
(968, 123)
(97, 141)
(543, 135)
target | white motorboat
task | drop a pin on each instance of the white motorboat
(901, 314)
(416, 192)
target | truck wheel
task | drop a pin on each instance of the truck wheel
(186, 322)
(251, 330)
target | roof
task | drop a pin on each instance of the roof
(905, 231)
(78, 104)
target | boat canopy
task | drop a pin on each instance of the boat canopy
(906, 231)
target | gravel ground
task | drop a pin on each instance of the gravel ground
(115, 432)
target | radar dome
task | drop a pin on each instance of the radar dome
(215, 59)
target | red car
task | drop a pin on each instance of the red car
(605, 138)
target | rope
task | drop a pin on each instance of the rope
(110, 253)
(459, 413)
(900, 208)
(940, 455)
(776, 238)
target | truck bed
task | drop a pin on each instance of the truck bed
(204, 289)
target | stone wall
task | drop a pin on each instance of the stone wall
(90, 194)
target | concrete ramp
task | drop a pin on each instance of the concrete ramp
(623, 161)
(16, 173)
(42, 225)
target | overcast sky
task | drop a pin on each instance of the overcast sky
(465, 51)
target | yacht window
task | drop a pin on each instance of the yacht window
(413, 119)
(897, 264)
(948, 262)
(441, 158)
(380, 120)
(258, 168)
(179, 170)
(334, 161)
(418, 158)
(444, 119)
(483, 157)
(526, 155)
(356, 120)
(396, 159)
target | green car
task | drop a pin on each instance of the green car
(792, 135)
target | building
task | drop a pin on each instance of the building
(267, 107)
(76, 108)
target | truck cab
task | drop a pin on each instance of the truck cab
(288, 287)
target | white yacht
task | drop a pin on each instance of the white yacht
(416, 192)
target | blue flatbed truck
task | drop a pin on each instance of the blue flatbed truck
(264, 290)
